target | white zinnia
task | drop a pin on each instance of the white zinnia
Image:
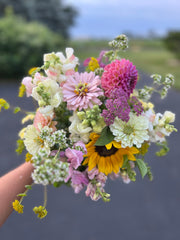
(133, 132)
(70, 61)
(32, 140)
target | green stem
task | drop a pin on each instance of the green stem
(45, 196)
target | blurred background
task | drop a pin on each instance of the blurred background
(30, 28)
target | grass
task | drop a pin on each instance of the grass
(148, 55)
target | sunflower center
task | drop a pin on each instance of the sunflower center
(81, 89)
(104, 152)
(128, 130)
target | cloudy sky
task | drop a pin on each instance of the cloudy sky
(108, 18)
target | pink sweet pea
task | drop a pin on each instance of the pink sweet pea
(75, 157)
(27, 82)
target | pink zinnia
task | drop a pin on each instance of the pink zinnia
(119, 74)
(82, 91)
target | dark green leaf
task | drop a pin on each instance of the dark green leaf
(105, 137)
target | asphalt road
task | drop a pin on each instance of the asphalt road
(140, 211)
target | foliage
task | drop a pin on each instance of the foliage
(23, 44)
(51, 13)
(172, 42)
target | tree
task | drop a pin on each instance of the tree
(172, 42)
(23, 45)
(52, 13)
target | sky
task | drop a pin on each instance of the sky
(108, 18)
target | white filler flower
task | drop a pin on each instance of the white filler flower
(133, 132)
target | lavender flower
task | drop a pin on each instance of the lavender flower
(136, 105)
(117, 106)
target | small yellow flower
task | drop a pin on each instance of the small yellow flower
(93, 64)
(40, 211)
(147, 105)
(17, 206)
(144, 148)
(27, 118)
(28, 157)
(3, 104)
(32, 70)
(22, 90)
(22, 132)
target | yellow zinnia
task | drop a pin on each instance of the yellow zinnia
(108, 158)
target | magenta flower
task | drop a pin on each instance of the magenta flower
(81, 91)
(119, 74)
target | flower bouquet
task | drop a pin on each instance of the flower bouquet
(90, 126)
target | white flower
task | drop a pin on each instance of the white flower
(150, 115)
(159, 126)
(33, 142)
(133, 132)
(48, 93)
(78, 130)
(168, 117)
(47, 111)
(69, 62)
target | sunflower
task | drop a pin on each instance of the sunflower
(108, 158)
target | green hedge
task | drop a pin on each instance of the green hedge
(23, 44)
(172, 42)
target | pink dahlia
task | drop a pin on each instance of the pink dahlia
(41, 120)
(82, 91)
(119, 74)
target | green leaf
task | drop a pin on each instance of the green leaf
(142, 167)
(28, 187)
(57, 184)
(105, 137)
(21, 195)
(126, 162)
(20, 146)
(17, 109)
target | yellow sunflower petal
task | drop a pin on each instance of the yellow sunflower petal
(101, 164)
(92, 161)
(131, 157)
(133, 150)
(116, 144)
(115, 165)
(108, 165)
(119, 158)
(85, 162)
(108, 146)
